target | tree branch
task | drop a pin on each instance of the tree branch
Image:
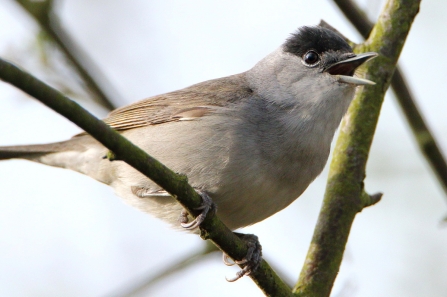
(344, 192)
(177, 185)
(424, 137)
(142, 285)
(41, 11)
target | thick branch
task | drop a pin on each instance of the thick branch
(177, 185)
(424, 137)
(343, 198)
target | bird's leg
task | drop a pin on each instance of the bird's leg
(251, 261)
(207, 205)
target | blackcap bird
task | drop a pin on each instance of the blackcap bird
(252, 142)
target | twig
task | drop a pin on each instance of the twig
(424, 137)
(175, 184)
(144, 283)
(344, 196)
(41, 11)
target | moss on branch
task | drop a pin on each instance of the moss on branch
(344, 191)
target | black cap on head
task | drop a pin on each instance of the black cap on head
(316, 38)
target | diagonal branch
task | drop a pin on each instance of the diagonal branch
(424, 137)
(177, 185)
(141, 286)
(41, 11)
(344, 196)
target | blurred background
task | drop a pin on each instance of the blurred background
(64, 234)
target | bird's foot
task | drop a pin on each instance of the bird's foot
(251, 261)
(207, 205)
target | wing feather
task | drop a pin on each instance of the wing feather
(186, 104)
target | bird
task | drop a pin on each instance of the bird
(251, 142)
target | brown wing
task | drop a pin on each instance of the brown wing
(189, 103)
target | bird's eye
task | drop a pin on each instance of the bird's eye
(311, 59)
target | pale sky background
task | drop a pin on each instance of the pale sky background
(64, 234)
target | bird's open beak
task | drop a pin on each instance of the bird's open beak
(344, 70)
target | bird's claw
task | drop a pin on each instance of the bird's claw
(251, 261)
(229, 262)
(240, 274)
(207, 205)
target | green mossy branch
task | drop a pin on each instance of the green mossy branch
(344, 196)
(177, 185)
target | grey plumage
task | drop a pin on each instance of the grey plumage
(253, 141)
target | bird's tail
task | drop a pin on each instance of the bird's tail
(29, 152)
(80, 153)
